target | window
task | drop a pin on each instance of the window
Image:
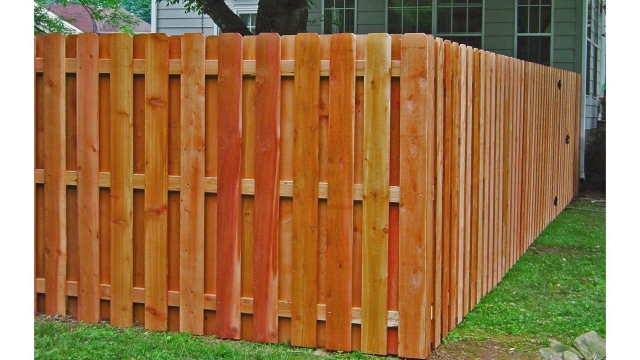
(593, 47)
(534, 31)
(339, 16)
(456, 20)
(249, 19)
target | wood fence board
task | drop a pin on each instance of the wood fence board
(285, 246)
(498, 175)
(210, 170)
(356, 329)
(39, 246)
(394, 180)
(229, 174)
(247, 172)
(88, 187)
(138, 168)
(323, 166)
(340, 192)
(305, 190)
(455, 183)
(121, 84)
(156, 175)
(445, 187)
(413, 311)
(55, 227)
(468, 180)
(104, 156)
(192, 185)
(71, 164)
(174, 155)
(375, 221)
(462, 180)
(267, 196)
(439, 187)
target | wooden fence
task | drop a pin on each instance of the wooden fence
(348, 192)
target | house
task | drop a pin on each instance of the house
(44, 27)
(566, 34)
(80, 18)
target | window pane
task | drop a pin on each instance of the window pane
(535, 49)
(444, 2)
(395, 21)
(444, 20)
(339, 3)
(424, 2)
(424, 21)
(545, 19)
(594, 77)
(409, 21)
(395, 3)
(475, 19)
(523, 2)
(349, 4)
(546, 2)
(328, 21)
(348, 23)
(523, 19)
(460, 2)
(410, 2)
(534, 19)
(459, 20)
(588, 69)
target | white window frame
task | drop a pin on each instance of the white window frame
(549, 34)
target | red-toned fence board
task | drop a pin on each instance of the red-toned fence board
(354, 192)
(340, 191)
(267, 191)
(229, 191)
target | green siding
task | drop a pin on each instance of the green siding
(499, 26)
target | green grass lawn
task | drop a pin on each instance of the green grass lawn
(556, 290)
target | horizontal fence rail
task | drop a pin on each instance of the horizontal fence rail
(353, 192)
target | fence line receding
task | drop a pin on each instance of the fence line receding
(340, 191)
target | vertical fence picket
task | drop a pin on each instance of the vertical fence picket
(413, 312)
(439, 176)
(375, 223)
(468, 178)
(247, 229)
(55, 205)
(394, 180)
(88, 181)
(121, 179)
(156, 178)
(340, 192)
(285, 241)
(71, 158)
(267, 188)
(462, 180)
(445, 184)
(456, 191)
(39, 220)
(305, 190)
(228, 284)
(192, 185)
(210, 199)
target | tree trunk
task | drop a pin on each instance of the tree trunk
(285, 17)
(227, 20)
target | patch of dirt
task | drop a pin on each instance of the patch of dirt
(500, 349)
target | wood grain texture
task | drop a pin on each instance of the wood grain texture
(192, 185)
(55, 205)
(375, 222)
(267, 192)
(228, 284)
(305, 190)
(88, 184)
(285, 241)
(413, 312)
(445, 193)
(340, 192)
(439, 188)
(156, 201)
(121, 179)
